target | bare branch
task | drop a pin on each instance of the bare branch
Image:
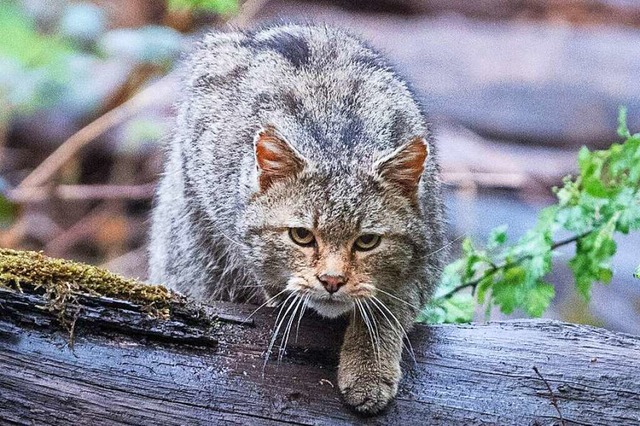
(552, 396)
(82, 192)
(47, 169)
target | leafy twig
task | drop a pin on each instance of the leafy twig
(495, 268)
(602, 200)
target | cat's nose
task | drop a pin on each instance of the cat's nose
(332, 282)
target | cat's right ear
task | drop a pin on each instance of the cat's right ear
(276, 159)
(403, 167)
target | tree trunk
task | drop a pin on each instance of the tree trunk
(205, 366)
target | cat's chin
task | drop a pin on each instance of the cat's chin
(330, 308)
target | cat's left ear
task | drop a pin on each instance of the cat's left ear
(404, 166)
(276, 159)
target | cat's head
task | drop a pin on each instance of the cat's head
(333, 233)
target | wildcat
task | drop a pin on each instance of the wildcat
(301, 169)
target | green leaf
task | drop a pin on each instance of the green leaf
(605, 275)
(505, 296)
(21, 41)
(34, 68)
(506, 291)
(497, 237)
(584, 160)
(432, 314)
(637, 273)
(483, 287)
(623, 130)
(578, 219)
(457, 309)
(582, 271)
(592, 260)
(547, 217)
(537, 300)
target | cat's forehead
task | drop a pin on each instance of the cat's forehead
(343, 205)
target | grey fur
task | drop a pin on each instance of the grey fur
(342, 109)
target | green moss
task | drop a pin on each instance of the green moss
(62, 280)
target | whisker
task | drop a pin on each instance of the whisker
(284, 304)
(287, 331)
(239, 244)
(378, 303)
(373, 320)
(398, 299)
(455, 240)
(391, 324)
(251, 286)
(264, 304)
(304, 309)
(278, 325)
(364, 318)
(367, 323)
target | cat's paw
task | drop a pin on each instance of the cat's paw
(368, 391)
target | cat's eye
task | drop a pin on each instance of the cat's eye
(302, 236)
(367, 242)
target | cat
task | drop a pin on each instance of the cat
(301, 170)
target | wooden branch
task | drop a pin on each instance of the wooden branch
(248, 11)
(486, 179)
(204, 366)
(148, 96)
(82, 192)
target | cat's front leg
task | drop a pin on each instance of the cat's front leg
(369, 370)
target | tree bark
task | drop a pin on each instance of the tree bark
(204, 365)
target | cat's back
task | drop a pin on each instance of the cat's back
(330, 94)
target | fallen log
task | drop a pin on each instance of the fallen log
(204, 365)
(125, 367)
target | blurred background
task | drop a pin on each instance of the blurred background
(514, 88)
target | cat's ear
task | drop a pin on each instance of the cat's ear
(403, 167)
(276, 159)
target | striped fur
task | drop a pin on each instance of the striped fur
(339, 105)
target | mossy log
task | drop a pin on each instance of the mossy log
(139, 360)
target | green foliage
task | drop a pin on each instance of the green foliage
(602, 200)
(18, 31)
(62, 67)
(224, 7)
(8, 212)
(459, 307)
(32, 66)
